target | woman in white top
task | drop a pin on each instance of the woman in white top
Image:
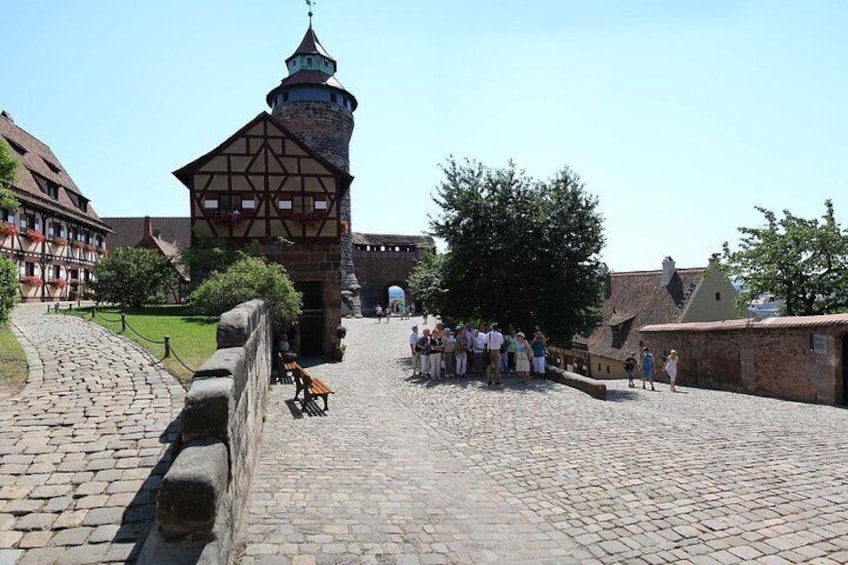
(671, 368)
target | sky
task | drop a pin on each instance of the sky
(680, 117)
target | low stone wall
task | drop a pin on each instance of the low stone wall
(202, 496)
(795, 358)
(592, 387)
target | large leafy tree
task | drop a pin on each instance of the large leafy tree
(521, 251)
(8, 271)
(246, 279)
(803, 261)
(133, 277)
(425, 282)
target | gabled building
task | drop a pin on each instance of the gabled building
(636, 299)
(282, 182)
(167, 236)
(55, 237)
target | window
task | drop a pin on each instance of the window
(286, 205)
(309, 61)
(210, 204)
(86, 275)
(51, 166)
(19, 149)
(57, 271)
(249, 204)
(7, 215)
(608, 369)
(53, 190)
(312, 294)
(718, 296)
(29, 269)
(599, 366)
(74, 274)
(100, 241)
(229, 202)
(285, 96)
(333, 97)
(320, 204)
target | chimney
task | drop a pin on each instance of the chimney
(667, 270)
(148, 227)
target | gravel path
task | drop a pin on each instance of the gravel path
(82, 446)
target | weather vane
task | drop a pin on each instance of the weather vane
(310, 3)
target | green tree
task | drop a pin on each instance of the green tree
(803, 261)
(208, 254)
(520, 250)
(425, 282)
(133, 277)
(8, 271)
(8, 166)
(246, 279)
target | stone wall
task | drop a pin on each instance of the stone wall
(377, 270)
(202, 496)
(775, 359)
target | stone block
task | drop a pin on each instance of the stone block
(236, 326)
(193, 488)
(209, 405)
(592, 387)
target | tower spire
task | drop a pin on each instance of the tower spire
(310, 3)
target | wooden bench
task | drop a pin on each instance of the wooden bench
(310, 386)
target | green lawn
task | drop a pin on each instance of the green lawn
(192, 337)
(13, 365)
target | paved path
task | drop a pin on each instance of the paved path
(81, 445)
(405, 471)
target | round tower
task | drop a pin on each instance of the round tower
(312, 104)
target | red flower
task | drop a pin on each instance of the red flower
(7, 229)
(76, 244)
(34, 236)
(60, 241)
(58, 283)
(32, 281)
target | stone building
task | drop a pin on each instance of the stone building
(55, 237)
(283, 178)
(639, 298)
(796, 358)
(385, 260)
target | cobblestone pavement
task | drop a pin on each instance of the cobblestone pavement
(81, 445)
(410, 471)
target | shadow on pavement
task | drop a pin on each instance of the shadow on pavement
(618, 395)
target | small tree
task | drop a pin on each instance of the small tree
(8, 271)
(246, 279)
(132, 277)
(425, 282)
(208, 254)
(805, 262)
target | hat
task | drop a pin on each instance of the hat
(458, 327)
(519, 334)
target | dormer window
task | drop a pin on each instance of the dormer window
(18, 148)
(51, 166)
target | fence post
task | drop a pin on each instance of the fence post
(93, 312)
(56, 308)
(123, 322)
(167, 346)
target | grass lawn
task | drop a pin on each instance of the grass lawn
(13, 364)
(192, 337)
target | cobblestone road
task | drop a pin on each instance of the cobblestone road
(405, 471)
(81, 445)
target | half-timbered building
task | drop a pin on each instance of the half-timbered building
(282, 181)
(54, 237)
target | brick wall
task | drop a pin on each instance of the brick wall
(769, 361)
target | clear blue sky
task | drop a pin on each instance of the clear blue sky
(679, 116)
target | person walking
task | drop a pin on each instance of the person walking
(671, 368)
(539, 353)
(647, 367)
(379, 311)
(630, 366)
(425, 314)
(415, 350)
(522, 357)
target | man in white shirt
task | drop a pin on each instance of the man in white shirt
(479, 352)
(494, 340)
(416, 355)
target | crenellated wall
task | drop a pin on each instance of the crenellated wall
(202, 496)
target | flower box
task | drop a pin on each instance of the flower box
(58, 283)
(308, 218)
(76, 244)
(32, 281)
(90, 247)
(7, 229)
(34, 236)
(229, 217)
(60, 241)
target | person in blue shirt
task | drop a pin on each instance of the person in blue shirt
(647, 367)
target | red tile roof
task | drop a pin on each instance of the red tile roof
(636, 299)
(752, 323)
(38, 159)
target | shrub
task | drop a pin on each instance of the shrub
(246, 279)
(133, 276)
(8, 289)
